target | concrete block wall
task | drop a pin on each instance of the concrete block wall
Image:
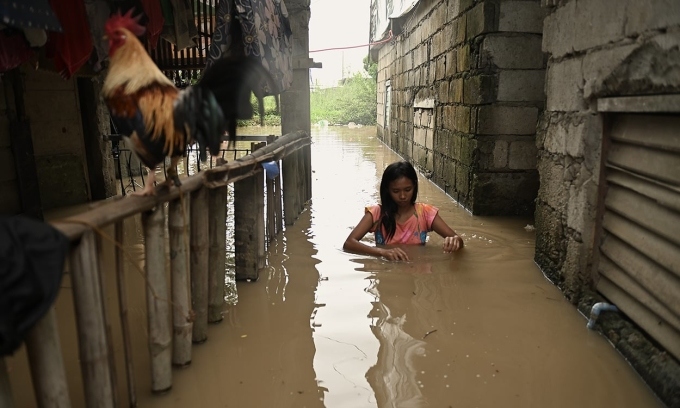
(53, 109)
(480, 62)
(595, 48)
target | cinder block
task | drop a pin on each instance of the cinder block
(457, 90)
(564, 86)
(439, 43)
(500, 154)
(481, 19)
(448, 117)
(453, 10)
(507, 120)
(521, 17)
(443, 91)
(451, 63)
(480, 89)
(463, 58)
(462, 119)
(523, 155)
(648, 15)
(553, 191)
(581, 25)
(513, 52)
(419, 136)
(523, 85)
(598, 64)
(461, 33)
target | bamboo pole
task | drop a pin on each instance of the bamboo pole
(217, 253)
(92, 339)
(302, 181)
(199, 264)
(107, 322)
(178, 225)
(278, 209)
(47, 364)
(124, 321)
(158, 305)
(289, 170)
(307, 152)
(6, 399)
(259, 221)
(246, 229)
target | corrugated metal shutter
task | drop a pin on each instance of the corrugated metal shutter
(639, 258)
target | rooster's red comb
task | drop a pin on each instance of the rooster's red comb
(125, 21)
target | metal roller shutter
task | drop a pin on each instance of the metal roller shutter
(639, 253)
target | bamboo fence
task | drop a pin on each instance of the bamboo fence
(178, 311)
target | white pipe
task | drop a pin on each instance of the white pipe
(597, 308)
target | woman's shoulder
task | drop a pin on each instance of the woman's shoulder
(426, 208)
(373, 209)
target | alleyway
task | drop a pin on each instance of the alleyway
(324, 328)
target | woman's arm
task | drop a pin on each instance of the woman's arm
(452, 241)
(353, 242)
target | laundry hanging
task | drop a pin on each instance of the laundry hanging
(32, 255)
(71, 48)
(258, 29)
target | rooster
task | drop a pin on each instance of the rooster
(160, 119)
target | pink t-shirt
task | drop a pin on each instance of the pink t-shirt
(413, 231)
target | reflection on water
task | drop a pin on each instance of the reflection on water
(325, 328)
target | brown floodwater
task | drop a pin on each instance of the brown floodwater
(325, 328)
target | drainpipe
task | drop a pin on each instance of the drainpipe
(597, 308)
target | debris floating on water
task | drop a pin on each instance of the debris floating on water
(430, 332)
(529, 227)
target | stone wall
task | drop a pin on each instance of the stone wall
(595, 48)
(479, 65)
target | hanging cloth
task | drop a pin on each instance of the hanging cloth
(72, 48)
(180, 26)
(14, 49)
(258, 29)
(32, 255)
(154, 12)
(97, 13)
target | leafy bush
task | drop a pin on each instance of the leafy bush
(353, 101)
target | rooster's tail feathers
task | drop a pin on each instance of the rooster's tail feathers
(199, 115)
(232, 80)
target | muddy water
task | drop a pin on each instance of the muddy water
(324, 328)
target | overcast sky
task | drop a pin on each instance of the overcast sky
(338, 23)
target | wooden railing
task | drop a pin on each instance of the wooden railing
(196, 289)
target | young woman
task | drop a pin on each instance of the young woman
(399, 219)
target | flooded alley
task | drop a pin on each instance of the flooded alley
(325, 328)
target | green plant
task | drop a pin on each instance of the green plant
(353, 101)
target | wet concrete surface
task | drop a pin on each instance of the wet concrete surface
(325, 328)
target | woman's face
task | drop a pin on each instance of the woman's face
(401, 191)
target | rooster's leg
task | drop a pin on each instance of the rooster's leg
(149, 185)
(172, 173)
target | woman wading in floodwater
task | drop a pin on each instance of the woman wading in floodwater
(399, 219)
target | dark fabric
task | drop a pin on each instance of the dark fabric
(32, 255)
(14, 49)
(179, 24)
(258, 29)
(29, 14)
(152, 9)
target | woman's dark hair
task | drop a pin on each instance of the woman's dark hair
(388, 208)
